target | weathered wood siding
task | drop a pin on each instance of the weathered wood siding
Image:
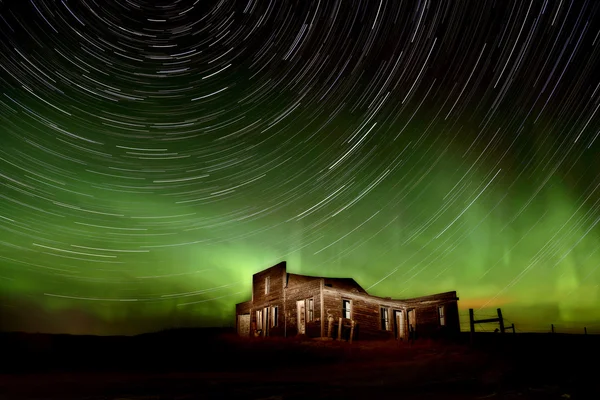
(365, 311)
(243, 309)
(452, 318)
(427, 315)
(243, 324)
(300, 288)
(274, 298)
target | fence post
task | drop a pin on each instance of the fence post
(552, 326)
(512, 326)
(585, 330)
(500, 320)
(352, 323)
(340, 330)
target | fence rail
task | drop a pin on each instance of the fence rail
(523, 326)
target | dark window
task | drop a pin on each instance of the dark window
(385, 318)
(328, 285)
(310, 312)
(346, 309)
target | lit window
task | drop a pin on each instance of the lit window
(442, 316)
(385, 318)
(267, 284)
(346, 309)
(310, 309)
(274, 316)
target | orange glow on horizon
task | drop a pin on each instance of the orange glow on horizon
(483, 302)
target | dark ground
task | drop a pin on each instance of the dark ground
(215, 364)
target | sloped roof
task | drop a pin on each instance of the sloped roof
(347, 284)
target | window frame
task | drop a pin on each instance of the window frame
(384, 323)
(411, 312)
(348, 310)
(267, 284)
(442, 315)
(310, 309)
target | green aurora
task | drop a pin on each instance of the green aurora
(123, 216)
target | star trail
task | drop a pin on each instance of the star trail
(154, 155)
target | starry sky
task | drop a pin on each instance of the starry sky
(155, 154)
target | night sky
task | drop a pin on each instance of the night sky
(155, 154)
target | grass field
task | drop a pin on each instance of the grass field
(215, 364)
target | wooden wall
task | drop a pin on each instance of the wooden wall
(301, 288)
(427, 315)
(365, 311)
(286, 289)
(274, 298)
(241, 309)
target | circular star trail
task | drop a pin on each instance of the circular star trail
(156, 154)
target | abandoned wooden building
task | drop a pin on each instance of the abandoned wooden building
(285, 304)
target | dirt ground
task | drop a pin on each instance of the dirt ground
(273, 369)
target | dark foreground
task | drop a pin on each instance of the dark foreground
(204, 364)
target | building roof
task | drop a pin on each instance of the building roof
(351, 286)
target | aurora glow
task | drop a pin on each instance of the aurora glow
(156, 154)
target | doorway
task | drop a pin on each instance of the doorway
(301, 307)
(266, 321)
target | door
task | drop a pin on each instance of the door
(259, 323)
(266, 320)
(301, 306)
(399, 325)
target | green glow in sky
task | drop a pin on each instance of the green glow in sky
(152, 159)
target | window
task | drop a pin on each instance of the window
(310, 309)
(259, 320)
(385, 318)
(267, 284)
(346, 309)
(274, 315)
(412, 324)
(442, 315)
